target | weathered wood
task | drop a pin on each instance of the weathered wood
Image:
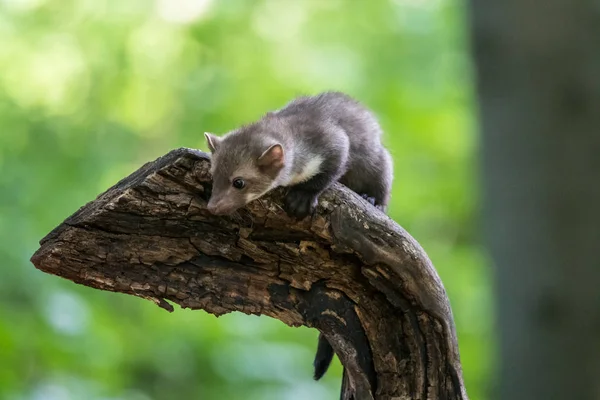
(350, 271)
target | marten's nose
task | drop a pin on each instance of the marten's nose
(213, 208)
(216, 207)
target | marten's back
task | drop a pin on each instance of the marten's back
(339, 109)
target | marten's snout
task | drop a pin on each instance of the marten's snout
(220, 206)
(214, 208)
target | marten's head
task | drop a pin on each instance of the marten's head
(244, 166)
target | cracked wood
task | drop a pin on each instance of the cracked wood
(349, 271)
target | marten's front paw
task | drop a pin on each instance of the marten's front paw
(373, 202)
(369, 199)
(299, 203)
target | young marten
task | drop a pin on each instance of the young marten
(306, 146)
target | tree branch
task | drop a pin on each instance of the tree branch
(350, 271)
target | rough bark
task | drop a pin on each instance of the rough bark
(539, 87)
(349, 271)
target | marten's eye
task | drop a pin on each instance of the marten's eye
(238, 183)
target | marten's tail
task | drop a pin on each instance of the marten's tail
(323, 357)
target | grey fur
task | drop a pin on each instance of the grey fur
(330, 125)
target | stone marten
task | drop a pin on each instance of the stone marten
(306, 146)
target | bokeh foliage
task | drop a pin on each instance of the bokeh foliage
(92, 89)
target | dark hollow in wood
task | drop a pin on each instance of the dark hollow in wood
(349, 271)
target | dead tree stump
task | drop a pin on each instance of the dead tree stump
(349, 271)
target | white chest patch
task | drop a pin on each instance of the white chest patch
(310, 169)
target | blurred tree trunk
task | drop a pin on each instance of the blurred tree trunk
(539, 94)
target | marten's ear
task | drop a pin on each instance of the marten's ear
(272, 157)
(212, 141)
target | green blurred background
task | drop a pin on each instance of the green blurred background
(91, 89)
